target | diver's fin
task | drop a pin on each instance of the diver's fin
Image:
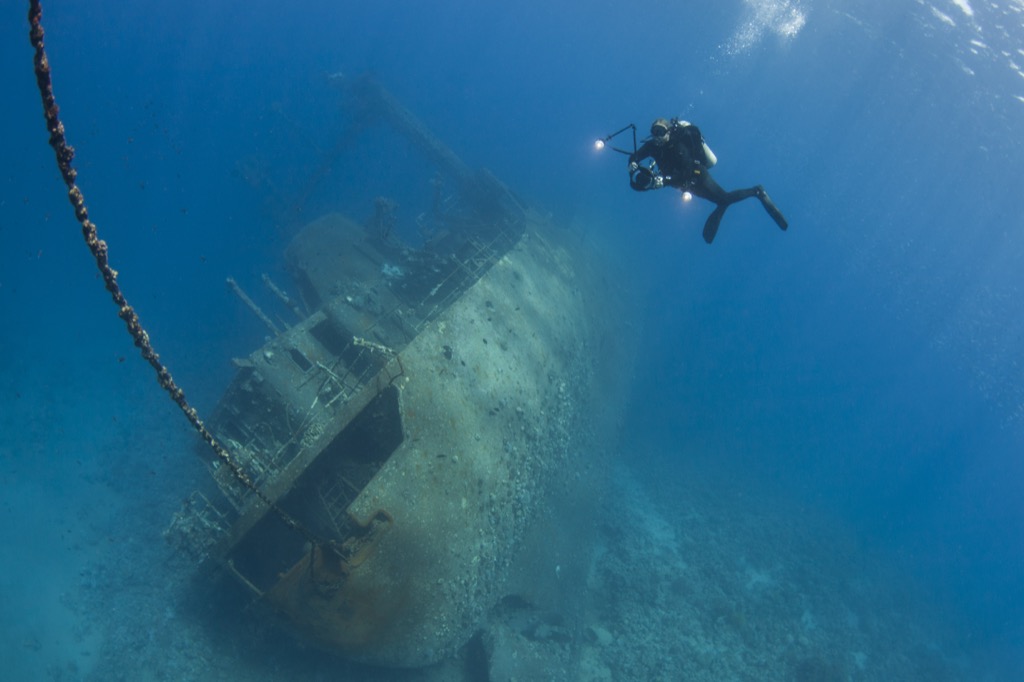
(772, 209)
(714, 220)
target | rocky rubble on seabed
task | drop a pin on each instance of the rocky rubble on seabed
(699, 579)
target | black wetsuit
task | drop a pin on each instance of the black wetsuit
(682, 163)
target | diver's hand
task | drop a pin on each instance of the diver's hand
(633, 166)
(659, 182)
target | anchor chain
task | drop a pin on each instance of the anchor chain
(65, 154)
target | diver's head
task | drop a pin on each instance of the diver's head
(659, 131)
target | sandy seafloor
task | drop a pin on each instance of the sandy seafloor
(703, 575)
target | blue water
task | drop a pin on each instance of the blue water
(866, 364)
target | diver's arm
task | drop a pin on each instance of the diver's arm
(644, 152)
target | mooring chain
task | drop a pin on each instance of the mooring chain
(98, 247)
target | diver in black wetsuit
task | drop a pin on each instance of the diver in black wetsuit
(681, 159)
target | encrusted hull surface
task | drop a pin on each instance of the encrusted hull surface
(427, 407)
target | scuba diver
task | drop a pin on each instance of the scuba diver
(681, 159)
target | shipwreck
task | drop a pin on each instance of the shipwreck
(422, 410)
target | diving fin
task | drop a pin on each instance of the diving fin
(714, 220)
(772, 209)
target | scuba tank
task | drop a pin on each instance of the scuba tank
(709, 156)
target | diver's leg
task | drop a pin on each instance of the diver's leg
(713, 221)
(707, 188)
(741, 194)
(771, 208)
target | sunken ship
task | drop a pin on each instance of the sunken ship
(427, 408)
